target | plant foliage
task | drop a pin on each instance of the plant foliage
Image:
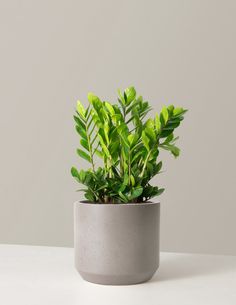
(128, 145)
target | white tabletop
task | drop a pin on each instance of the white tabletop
(32, 275)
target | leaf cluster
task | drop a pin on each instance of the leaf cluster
(128, 145)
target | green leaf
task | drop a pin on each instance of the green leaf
(109, 108)
(102, 187)
(165, 114)
(135, 193)
(165, 133)
(92, 98)
(82, 190)
(79, 122)
(150, 168)
(175, 150)
(106, 130)
(150, 129)
(90, 196)
(132, 106)
(114, 148)
(82, 175)
(137, 155)
(169, 138)
(131, 139)
(81, 132)
(88, 179)
(157, 123)
(74, 172)
(116, 118)
(125, 155)
(158, 167)
(170, 109)
(99, 153)
(145, 140)
(87, 112)
(123, 197)
(84, 143)
(130, 94)
(122, 130)
(83, 155)
(151, 134)
(152, 191)
(125, 182)
(178, 111)
(132, 179)
(104, 147)
(121, 98)
(150, 123)
(80, 109)
(159, 192)
(172, 148)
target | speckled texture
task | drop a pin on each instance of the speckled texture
(116, 244)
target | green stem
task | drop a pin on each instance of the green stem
(90, 147)
(145, 164)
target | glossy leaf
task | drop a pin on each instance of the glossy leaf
(83, 155)
(165, 114)
(130, 94)
(157, 123)
(81, 132)
(80, 109)
(145, 140)
(110, 108)
(136, 192)
(79, 122)
(84, 143)
(74, 172)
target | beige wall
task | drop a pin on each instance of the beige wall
(181, 52)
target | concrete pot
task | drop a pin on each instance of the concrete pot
(116, 244)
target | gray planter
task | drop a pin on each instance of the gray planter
(116, 244)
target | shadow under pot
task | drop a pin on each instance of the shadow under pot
(116, 244)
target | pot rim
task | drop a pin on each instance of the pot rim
(86, 202)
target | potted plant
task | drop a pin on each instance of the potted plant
(117, 227)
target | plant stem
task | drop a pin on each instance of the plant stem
(145, 163)
(90, 147)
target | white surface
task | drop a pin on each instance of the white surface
(31, 275)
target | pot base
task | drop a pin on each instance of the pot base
(118, 279)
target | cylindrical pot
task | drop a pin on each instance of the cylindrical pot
(116, 244)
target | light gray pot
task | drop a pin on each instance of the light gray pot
(116, 244)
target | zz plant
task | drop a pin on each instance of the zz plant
(128, 145)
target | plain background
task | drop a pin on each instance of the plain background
(180, 52)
